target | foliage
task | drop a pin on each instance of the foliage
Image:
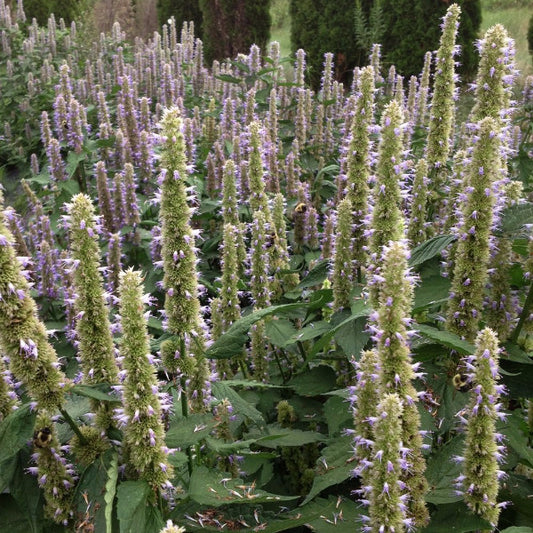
(232, 26)
(182, 11)
(412, 28)
(195, 435)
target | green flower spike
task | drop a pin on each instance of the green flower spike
(442, 103)
(472, 253)
(480, 478)
(8, 398)
(365, 401)
(95, 348)
(416, 231)
(23, 337)
(342, 275)
(258, 198)
(143, 431)
(423, 92)
(387, 219)
(358, 165)
(386, 506)
(55, 476)
(179, 259)
(397, 371)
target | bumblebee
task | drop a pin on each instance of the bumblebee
(42, 438)
(300, 208)
(462, 382)
(270, 239)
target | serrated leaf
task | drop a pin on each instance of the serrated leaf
(312, 331)
(517, 529)
(15, 431)
(429, 249)
(279, 436)
(339, 516)
(455, 518)
(228, 79)
(135, 512)
(316, 275)
(184, 432)
(279, 331)
(333, 467)
(516, 438)
(515, 217)
(446, 338)
(97, 392)
(233, 341)
(209, 487)
(359, 309)
(110, 491)
(222, 391)
(318, 380)
(338, 414)
(352, 337)
(442, 470)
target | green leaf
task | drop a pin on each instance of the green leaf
(455, 518)
(312, 331)
(234, 340)
(359, 309)
(13, 519)
(228, 79)
(15, 431)
(442, 470)
(318, 380)
(520, 529)
(97, 392)
(110, 490)
(446, 338)
(432, 291)
(25, 490)
(209, 487)
(73, 160)
(352, 338)
(279, 436)
(333, 467)
(338, 414)
(222, 391)
(89, 496)
(429, 249)
(316, 275)
(184, 432)
(517, 438)
(279, 331)
(515, 217)
(340, 516)
(134, 510)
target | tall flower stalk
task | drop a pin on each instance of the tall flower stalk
(472, 254)
(23, 336)
(483, 451)
(143, 430)
(95, 344)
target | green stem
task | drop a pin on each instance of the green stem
(280, 366)
(74, 427)
(523, 315)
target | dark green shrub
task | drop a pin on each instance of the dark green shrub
(182, 11)
(232, 26)
(42, 9)
(413, 27)
(320, 26)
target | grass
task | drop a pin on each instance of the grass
(515, 19)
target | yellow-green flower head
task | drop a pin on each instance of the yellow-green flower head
(396, 369)
(96, 349)
(472, 254)
(54, 475)
(387, 507)
(342, 275)
(23, 337)
(442, 103)
(495, 75)
(143, 430)
(483, 452)
(180, 280)
(256, 175)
